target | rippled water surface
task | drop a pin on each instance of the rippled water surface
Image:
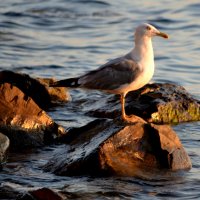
(65, 38)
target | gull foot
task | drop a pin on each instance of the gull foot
(132, 119)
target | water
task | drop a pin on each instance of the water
(67, 38)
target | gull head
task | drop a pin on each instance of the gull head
(147, 30)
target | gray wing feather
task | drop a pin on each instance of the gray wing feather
(111, 75)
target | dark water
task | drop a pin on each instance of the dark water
(65, 38)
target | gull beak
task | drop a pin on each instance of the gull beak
(161, 34)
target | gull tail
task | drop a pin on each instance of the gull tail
(71, 82)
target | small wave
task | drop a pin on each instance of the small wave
(93, 2)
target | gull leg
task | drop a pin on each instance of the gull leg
(128, 119)
(122, 99)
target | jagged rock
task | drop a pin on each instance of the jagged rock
(107, 147)
(4, 145)
(23, 121)
(57, 94)
(30, 86)
(37, 89)
(157, 103)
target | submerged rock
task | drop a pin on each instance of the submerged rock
(23, 121)
(157, 103)
(46, 194)
(4, 145)
(15, 191)
(104, 147)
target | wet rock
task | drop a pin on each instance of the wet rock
(158, 103)
(4, 145)
(57, 94)
(15, 191)
(111, 147)
(30, 86)
(8, 191)
(23, 121)
(46, 194)
(37, 89)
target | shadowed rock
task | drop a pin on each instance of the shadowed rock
(4, 145)
(104, 147)
(158, 103)
(46, 194)
(23, 121)
(15, 191)
(37, 89)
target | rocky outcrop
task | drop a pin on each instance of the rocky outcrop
(157, 103)
(37, 89)
(23, 121)
(103, 147)
(4, 145)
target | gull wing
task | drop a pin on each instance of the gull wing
(111, 75)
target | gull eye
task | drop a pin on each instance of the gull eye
(148, 28)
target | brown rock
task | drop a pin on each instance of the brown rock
(45, 194)
(30, 87)
(57, 94)
(104, 147)
(141, 146)
(38, 89)
(23, 121)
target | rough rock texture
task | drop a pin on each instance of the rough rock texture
(158, 103)
(104, 147)
(57, 94)
(24, 122)
(4, 145)
(30, 86)
(37, 89)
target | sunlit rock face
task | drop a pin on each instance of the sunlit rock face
(38, 89)
(23, 121)
(103, 147)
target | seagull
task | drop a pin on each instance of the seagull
(123, 74)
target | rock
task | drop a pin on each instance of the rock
(114, 148)
(37, 89)
(57, 94)
(11, 191)
(23, 121)
(30, 86)
(4, 145)
(46, 194)
(15, 191)
(157, 103)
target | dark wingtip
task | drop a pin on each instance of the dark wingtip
(71, 82)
